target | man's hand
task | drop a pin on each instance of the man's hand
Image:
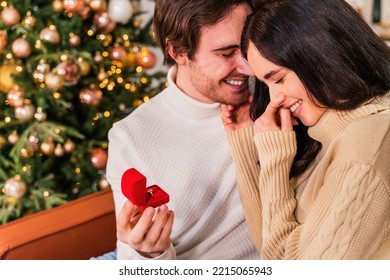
(146, 232)
(236, 117)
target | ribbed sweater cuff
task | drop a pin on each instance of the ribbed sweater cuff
(241, 141)
(277, 150)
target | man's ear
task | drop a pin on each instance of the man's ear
(180, 58)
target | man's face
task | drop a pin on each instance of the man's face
(218, 73)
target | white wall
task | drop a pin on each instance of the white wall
(367, 5)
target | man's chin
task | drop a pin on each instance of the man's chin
(237, 99)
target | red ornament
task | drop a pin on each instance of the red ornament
(99, 158)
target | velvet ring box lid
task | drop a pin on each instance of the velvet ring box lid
(134, 188)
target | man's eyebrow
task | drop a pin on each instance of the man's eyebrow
(271, 73)
(224, 48)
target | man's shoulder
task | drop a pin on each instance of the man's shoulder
(142, 115)
(150, 107)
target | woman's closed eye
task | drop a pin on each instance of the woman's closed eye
(279, 81)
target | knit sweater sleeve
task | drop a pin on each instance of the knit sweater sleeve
(246, 159)
(351, 207)
(277, 151)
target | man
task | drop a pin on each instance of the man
(178, 142)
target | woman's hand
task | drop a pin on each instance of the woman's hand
(275, 117)
(236, 117)
(146, 232)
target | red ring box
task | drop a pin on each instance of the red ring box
(134, 188)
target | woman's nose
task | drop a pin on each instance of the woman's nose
(243, 67)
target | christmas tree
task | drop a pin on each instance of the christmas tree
(70, 69)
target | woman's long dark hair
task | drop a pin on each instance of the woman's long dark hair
(334, 52)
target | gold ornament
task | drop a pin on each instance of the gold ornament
(98, 57)
(6, 79)
(29, 21)
(13, 138)
(47, 147)
(98, 5)
(43, 66)
(104, 184)
(130, 61)
(59, 150)
(137, 22)
(15, 187)
(57, 6)
(85, 67)
(101, 75)
(40, 115)
(74, 39)
(25, 112)
(15, 97)
(39, 74)
(21, 48)
(69, 146)
(54, 81)
(26, 153)
(50, 34)
(33, 141)
(10, 16)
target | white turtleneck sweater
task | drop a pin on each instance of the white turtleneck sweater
(179, 144)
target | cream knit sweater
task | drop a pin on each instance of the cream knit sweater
(340, 207)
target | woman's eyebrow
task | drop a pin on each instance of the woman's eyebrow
(271, 73)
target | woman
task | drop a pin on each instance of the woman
(320, 138)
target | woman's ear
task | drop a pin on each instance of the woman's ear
(180, 58)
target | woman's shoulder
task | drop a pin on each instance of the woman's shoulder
(365, 138)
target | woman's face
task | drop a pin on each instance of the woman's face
(283, 81)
